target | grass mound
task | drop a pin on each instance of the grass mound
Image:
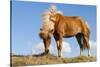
(18, 60)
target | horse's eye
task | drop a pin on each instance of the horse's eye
(41, 29)
(51, 31)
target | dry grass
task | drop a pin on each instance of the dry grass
(47, 59)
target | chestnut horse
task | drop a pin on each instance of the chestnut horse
(65, 27)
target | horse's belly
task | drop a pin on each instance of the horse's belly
(66, 36)
(70, 33)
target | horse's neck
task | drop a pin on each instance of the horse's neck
(59, 22)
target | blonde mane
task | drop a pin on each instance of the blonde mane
(47, 24)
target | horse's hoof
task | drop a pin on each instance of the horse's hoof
(89, 55)
(44, 53)
(59, 56)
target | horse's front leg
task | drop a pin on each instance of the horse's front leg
(59, 47)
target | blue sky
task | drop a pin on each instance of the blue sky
(27, 21)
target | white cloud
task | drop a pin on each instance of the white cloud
(66, 47)
(39, 48)
(93, 45)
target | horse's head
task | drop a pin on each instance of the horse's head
(44, 34)
(47, 25)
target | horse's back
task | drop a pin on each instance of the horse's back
(72, 26)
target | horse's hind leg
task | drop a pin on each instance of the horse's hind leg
(85, 42)
(79, 37)
(87, 45)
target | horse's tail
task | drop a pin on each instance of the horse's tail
(86, 30)
(86, 34)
